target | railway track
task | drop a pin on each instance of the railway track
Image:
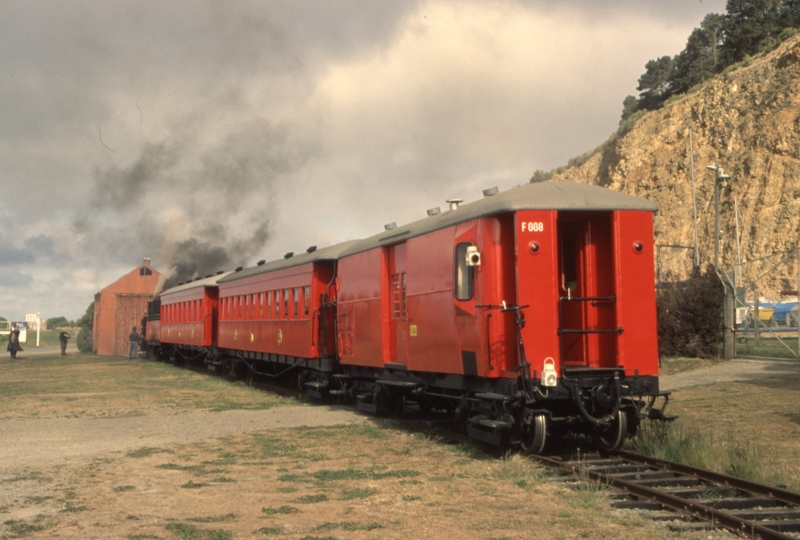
(696, 499)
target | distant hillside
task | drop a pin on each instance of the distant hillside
(747, 120)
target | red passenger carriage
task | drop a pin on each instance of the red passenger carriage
(280, 316)
(527, 311)
(187, 320)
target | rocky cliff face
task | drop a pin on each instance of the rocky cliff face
(748, 121)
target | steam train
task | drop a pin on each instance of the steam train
(527, 314)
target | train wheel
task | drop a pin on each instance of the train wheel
(613, 434)
(534, 437)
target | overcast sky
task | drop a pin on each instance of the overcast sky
(220, 133)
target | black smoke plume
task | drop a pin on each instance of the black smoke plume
(195, 208)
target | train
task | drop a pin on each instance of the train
(523, 316)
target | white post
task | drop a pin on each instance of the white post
(38, 326)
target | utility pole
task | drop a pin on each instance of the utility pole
(728, 306)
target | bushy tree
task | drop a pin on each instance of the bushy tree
(699, 60)
(57, 322)
(690, 316)
(84, 341)
(656, 82)
(748, 28)
(751, 26)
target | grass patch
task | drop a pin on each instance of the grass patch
(350, 494)
(196, 469)
(700, 446)
(120, 489)
(768, 347)
(282, 510)
(312, 499)
(193, 485)
(71, 508)
(213, 519)
(348, 526)
(673, 366)
(375, 473)
(147, 451)
(20, 528)
(190, 532)
(270, 530)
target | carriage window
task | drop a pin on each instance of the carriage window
(285, 303)
(277, 304)
(568, 232)
(307, 295)
(464, 276)
(296, 301)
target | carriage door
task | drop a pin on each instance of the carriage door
(586, 290)
(396, 349)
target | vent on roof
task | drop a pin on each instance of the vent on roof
(198, 278)
(259, 263)
(208, 275)
(454, 203)
(390, 226)
(311, 249)
(434, 211)
(491, 191)
(220, 272)
(181, 282)
(289, 255)
(237, 269)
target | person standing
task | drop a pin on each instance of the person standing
(134, 339)
(13, 343)
(63, 337)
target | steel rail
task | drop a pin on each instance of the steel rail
(779, 494)
(694, 509)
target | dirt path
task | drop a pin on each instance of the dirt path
(55, 441)
(733, 370)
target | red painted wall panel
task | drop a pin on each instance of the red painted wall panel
(360, 317)
(537, 284)
(433, 333)
(636, 305)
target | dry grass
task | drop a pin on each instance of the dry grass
(373, 481)
(86, 385)
(672, 366)
(759, 419)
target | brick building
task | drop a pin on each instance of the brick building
(120, 306)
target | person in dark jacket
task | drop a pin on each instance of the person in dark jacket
(134, 339)
(63, 337)
(13, 343)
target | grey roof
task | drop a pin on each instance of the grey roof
(330, 253)
(538, 196)
(205, 282)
